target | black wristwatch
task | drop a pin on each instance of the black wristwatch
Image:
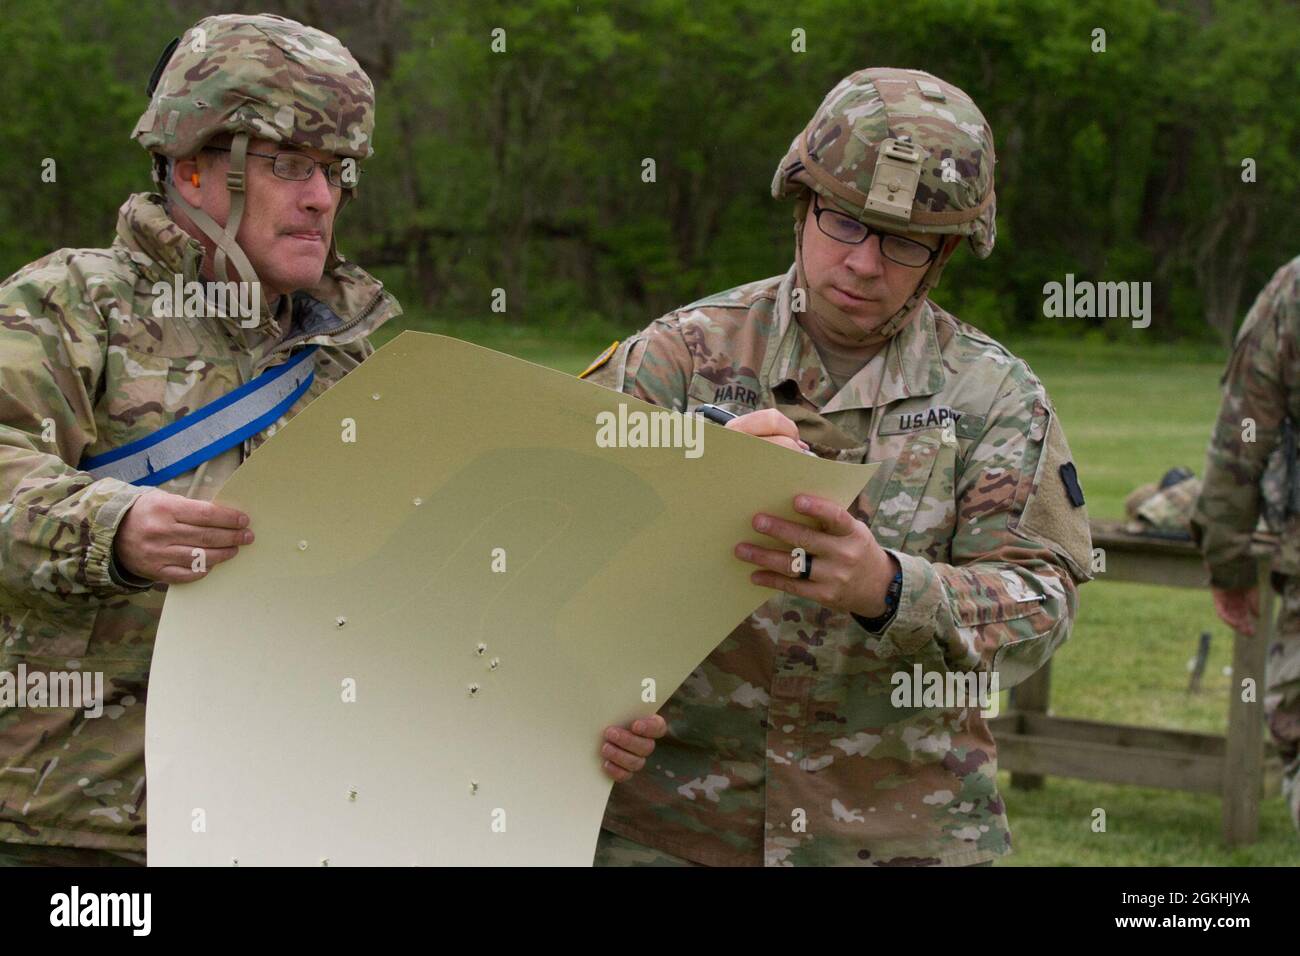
(892, 594)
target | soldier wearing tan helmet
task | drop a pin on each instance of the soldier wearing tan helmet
(257, 125)
(1252, 481)
(1163, 510)
(797, 741)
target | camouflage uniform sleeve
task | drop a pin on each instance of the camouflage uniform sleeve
(1008, 597)
(56, 523)
(654, 365)
(1254, 389)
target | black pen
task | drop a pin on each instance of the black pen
(720, 416)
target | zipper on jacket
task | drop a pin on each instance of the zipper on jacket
(362, 316)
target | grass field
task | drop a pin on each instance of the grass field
(1129, 413)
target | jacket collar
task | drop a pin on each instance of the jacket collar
(155, 242)
(909, 365)
(347, 304)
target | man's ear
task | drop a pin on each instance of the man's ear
(182, 171)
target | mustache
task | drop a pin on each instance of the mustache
(858, 293)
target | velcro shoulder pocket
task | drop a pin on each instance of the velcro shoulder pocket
(1054, 511)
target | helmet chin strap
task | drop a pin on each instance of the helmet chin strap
(836, 320)
(227, 249)
(332, 257)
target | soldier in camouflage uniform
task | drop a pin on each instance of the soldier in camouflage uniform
(1252, 473)
(89, 365)
(784, 747)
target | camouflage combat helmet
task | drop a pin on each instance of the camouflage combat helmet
(1164, 510)
(260, 76)
(903, 151)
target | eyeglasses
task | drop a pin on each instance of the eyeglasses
(299, 167)
(842, 228)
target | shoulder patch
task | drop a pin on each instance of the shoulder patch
(1070, 478)
(600, 360)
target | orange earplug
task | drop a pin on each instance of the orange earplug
(194, 179)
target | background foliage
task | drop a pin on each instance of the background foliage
(522, 170)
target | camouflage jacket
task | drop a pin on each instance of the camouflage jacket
(86, 367)
(784, 746)
(1245, 467)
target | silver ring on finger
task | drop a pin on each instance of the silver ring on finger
(806, 573)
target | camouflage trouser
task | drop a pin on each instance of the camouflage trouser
(1282, 694)
(34, 854)
(614, 850)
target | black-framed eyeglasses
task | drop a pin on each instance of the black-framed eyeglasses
(846, 229)
(299, 167)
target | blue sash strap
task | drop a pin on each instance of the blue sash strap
(208, 431)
